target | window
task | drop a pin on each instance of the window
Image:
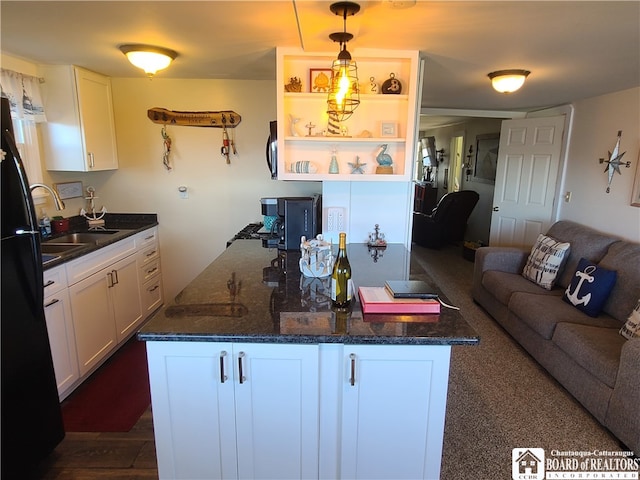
(23, 92)
(27, 142)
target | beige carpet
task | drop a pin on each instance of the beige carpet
(499, 397)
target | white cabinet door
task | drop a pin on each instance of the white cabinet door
(79, 134)
(192, 394)
(93, 321)
(210, 425)
(57, 310)
(277, 397)
(96, 118)
(393, 410)
(125, 296)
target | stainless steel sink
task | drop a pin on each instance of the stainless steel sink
(61, 248)
(83, 237)
(46, 258)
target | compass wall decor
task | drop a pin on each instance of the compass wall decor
(614, 162)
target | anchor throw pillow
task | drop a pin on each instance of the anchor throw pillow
(547, 257)
(590, 287)
(631, 329)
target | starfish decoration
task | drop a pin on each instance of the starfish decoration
(615, 161)
(357, 167)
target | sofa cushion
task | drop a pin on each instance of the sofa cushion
(545, 261)
(624, 258)
(543, 312)
(590, 287)
(502, 285)
(595, 349)
(631, 328)
(585, 243)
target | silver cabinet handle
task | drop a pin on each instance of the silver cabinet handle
(223, 377)
(241, 377)
(110, 279)
(352, 380)
(92, 163)
(115, 276)
(52, 302)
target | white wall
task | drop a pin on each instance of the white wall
(222, 198)
(367, 204)
(595, 128)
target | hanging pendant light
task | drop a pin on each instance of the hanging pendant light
(344, 93)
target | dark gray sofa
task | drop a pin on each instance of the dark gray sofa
(587, 355)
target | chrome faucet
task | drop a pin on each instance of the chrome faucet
(56, 199)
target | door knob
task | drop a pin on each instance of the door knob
(496, 209)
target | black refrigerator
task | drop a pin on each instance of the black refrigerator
(30, 410)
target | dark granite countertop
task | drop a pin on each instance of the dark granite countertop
(275, 303)
(127, 224)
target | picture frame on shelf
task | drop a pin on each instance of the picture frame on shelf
(388, 129)
(319, 80)
(486, 158)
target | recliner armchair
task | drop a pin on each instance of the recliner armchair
(447, 222)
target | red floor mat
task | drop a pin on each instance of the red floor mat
(114, 397)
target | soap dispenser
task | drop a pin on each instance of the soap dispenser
(45, 225)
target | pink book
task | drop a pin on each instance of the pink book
(379, 300)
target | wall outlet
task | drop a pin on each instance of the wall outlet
(335, 219)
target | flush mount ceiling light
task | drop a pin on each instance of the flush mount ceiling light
(149, 58)
(508, 81)
(344, 93)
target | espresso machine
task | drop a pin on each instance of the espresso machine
(295, 217)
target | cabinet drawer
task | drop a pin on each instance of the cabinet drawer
(94, 262)
(147, 238)
(152, 297)
(150, 269)
(55, 280)
(149, 254)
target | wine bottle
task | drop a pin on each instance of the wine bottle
(341, 290)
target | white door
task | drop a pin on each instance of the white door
(277, 410)
(455, 164)
(394, 403)
(526, 174)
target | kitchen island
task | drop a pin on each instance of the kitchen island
(253, 375)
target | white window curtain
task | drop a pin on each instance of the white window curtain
(23, 92)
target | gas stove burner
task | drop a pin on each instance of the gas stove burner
(249, 232)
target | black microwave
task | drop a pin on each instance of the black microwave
(272, 149)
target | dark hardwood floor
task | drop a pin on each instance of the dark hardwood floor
(116, 456)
